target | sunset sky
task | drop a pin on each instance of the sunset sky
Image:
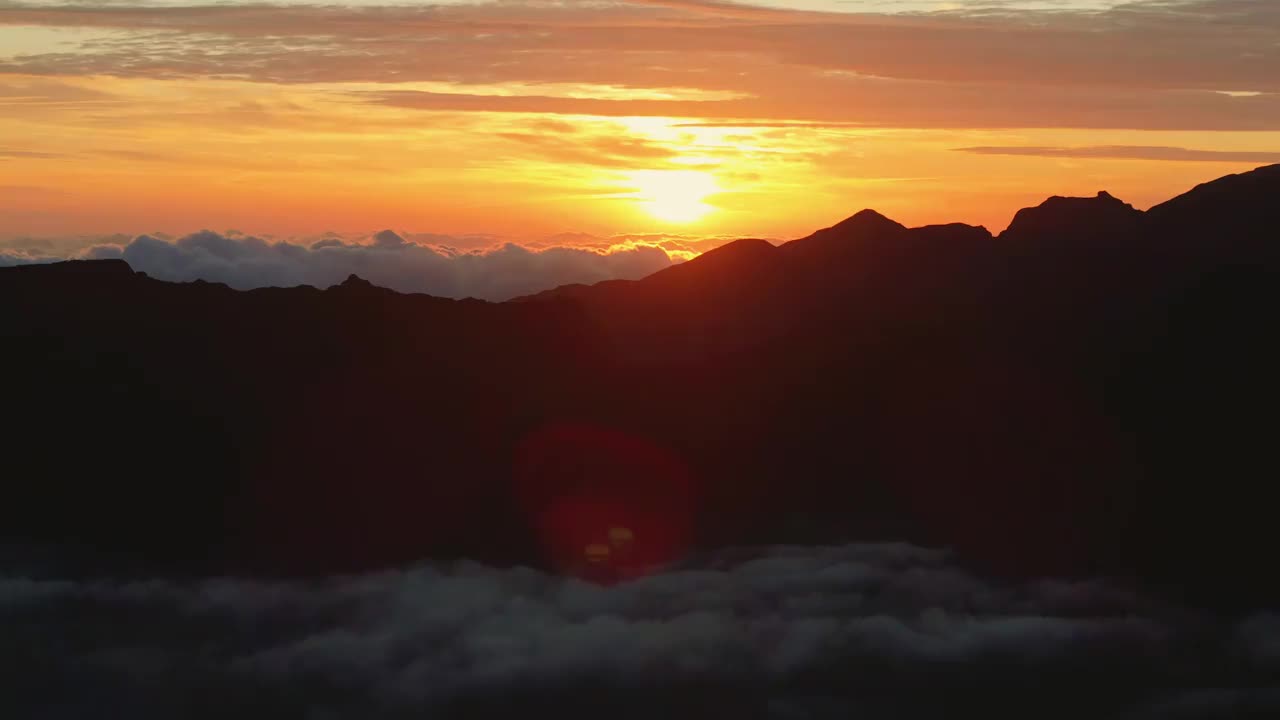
(531, 119)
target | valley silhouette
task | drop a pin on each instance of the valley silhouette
(1091, 392)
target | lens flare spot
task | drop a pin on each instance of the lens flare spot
(597, 553)
(620, 537)
(604, 504)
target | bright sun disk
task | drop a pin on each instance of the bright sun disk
(676, 196)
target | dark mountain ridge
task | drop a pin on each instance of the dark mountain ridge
(1091, 391)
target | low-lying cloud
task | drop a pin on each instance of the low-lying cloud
(433, 264)
(875, 631)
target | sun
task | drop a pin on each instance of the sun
(674, 196)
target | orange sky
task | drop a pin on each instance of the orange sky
(528, 119)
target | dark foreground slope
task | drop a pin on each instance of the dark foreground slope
(1094, 390)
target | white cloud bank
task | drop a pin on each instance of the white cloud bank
(873, 631)
(387, 259)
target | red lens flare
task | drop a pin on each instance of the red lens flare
(606, 505)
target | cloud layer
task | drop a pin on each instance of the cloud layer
(877, 630)
(432, 264)
(1144, 64)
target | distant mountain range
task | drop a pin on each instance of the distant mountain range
(1093, 390)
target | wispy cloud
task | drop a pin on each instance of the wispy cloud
(1136, 65)
(27, 154)
(1132, 152)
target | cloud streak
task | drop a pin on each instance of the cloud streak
(773, 632)
(26, 154)
(1136, 65)
(1132, 152)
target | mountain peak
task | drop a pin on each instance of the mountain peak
(955, 232)
(355, 282)
(1071, 216)
(865, 226)
(1241, 203)
(867, 220)
(744, 247)
(387, 238)
(746, 256)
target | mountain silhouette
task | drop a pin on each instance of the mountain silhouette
(1091, 391)
(1074, 218)
(1234, 201)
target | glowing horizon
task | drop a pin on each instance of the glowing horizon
(526, 120)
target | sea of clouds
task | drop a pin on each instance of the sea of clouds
(868, 631)
(456, 267)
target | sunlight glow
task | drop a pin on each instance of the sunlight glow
(674, 196)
